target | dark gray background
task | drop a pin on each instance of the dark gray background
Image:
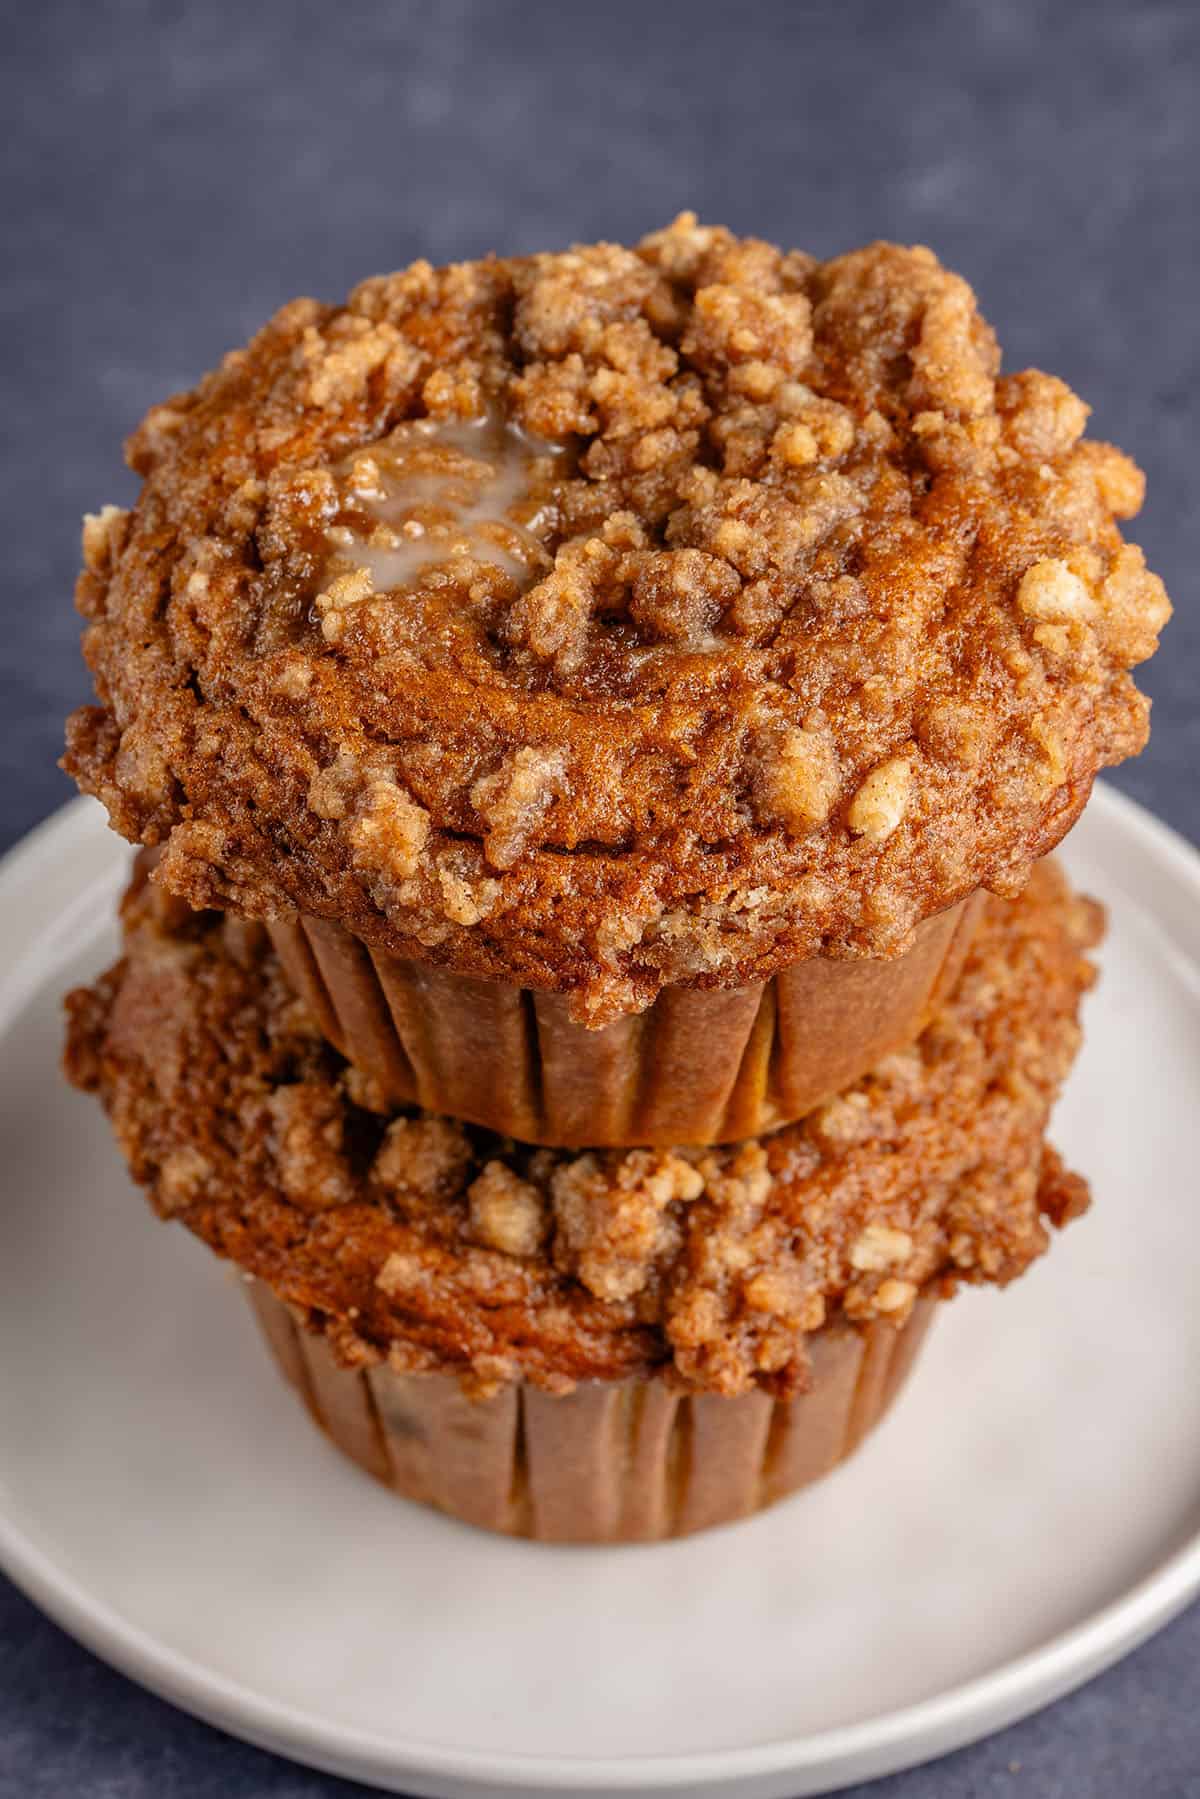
(174, 172)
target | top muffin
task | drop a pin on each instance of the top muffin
(613, 618)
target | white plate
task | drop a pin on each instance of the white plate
(1029, 1512)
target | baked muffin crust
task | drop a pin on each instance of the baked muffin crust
(448, 1248)
(617, 617)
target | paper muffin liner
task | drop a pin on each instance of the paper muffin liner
(631, 1461)
(695, 1067)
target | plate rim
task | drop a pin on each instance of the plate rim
(928, 1727)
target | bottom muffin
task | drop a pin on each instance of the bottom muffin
(601, 1346)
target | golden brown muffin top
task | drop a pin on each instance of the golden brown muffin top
(449, 1248)
(616, 617)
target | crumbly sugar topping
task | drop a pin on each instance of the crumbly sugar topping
(616, 617)
(444, 1247)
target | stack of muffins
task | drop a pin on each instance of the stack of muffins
(593, 722)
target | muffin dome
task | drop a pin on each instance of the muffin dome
(616, 618)
(451, 1250)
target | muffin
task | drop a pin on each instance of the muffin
(614, 676)
(618, 1345)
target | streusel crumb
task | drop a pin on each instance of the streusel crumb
(445, 1247)
(619, 585)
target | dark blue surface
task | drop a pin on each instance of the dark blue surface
(173, 173)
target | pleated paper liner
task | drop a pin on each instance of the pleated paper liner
(695, 1067)
(630, 1461)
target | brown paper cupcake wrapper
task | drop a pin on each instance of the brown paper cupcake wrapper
(695, 1067)
(613, 1462)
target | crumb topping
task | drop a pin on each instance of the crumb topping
(615, 617)
(445, 1247)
